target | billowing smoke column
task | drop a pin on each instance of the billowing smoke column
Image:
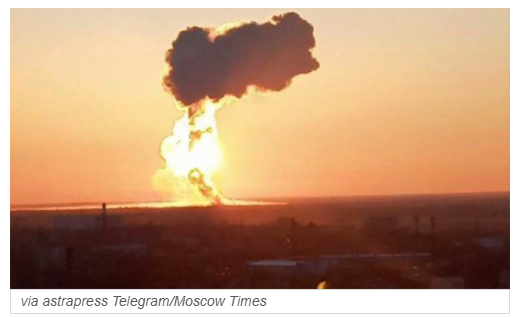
(265, 56)
(205, 66)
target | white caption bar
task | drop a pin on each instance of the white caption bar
(260, 301)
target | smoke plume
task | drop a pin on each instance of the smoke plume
(206, 65)
(263, 56)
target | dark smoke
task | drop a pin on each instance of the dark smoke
(266, 56)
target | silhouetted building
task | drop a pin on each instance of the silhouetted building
(49, 258)
(433, 225)
(447, 282)
(128, 249)
(277, 267)
(492, 243)
(86, 222)
(76, 222)
(504, 279)
(380, 225)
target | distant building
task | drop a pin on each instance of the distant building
(85, 222)
(286, 222)
(317, 266)
(75, 222)
(321, 265)
(127, 249)
(447, 282)
(380, 225)
(277, 267)
(48, 258)
(18, 222)
(492, 243)
(504, 279)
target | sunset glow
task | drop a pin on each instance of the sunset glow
(404, 101)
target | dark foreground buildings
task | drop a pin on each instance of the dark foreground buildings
(405, 242)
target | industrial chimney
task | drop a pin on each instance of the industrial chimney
(433, 234)
(104, 217)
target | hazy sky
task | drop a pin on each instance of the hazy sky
(405, 101)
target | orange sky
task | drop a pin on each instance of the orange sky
(405, 101)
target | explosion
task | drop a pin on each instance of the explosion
(192, 152)
(206, 67)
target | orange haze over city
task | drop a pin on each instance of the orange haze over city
(404, 101)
